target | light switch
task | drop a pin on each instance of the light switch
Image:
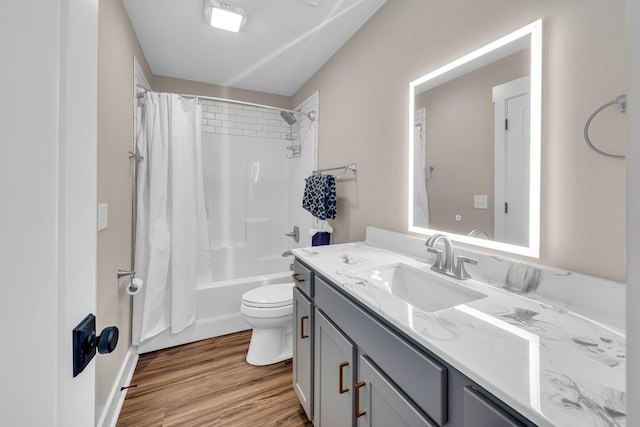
(103, 216)
(480, 201)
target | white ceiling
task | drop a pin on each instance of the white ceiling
(282, 44)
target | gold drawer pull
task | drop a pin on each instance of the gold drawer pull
(359, 412)
(341, 387)
(302, 334)
(297, 278)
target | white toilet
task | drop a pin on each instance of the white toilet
(268, 310)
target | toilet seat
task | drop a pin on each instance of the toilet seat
(270, 296)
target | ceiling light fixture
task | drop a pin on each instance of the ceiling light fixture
(225, 16)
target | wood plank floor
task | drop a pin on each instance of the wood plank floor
(209, 383)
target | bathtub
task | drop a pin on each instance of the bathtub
(218, 311)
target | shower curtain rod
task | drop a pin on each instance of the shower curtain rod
(311, 115)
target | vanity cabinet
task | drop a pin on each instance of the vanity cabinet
(379, 403)
(367, 372)
(481, 412)
(333, 375)
(303, 330)
(302, 350)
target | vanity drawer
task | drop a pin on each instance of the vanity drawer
(479, 411)
(302, 278)
(420, 378)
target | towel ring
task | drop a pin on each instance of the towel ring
(621, 100)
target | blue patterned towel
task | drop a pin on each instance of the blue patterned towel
(320, 196)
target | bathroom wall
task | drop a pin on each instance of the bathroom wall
(117, 45)
(365, 89)
(171, 84)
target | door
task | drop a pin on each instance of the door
(512, 125)
(378, 403)
(48, 221)
(303, 351)
(334, 357)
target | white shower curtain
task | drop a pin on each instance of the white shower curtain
(420, 198)
(171, 219)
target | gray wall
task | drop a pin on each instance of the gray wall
(117, 45)
(364, 92)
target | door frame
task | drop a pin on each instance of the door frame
(48, 177)
(500, 95)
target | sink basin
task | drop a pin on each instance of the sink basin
(422, 289)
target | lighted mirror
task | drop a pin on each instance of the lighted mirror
(474, 146)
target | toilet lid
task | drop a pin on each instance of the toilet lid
(279, 295)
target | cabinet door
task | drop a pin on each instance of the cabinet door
(378, 403)
(334, 357)
(481, 412)
(303, 351)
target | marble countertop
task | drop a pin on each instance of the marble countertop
(554, 366)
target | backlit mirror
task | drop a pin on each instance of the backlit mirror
(474, 146)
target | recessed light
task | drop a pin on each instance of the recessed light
(224, 16)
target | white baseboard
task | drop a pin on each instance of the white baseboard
(111, 411)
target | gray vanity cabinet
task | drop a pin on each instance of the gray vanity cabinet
(481, 412)
(333, 375)
(302, 351)
(378, 403)
(367, 372)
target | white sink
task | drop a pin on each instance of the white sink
(422, 289)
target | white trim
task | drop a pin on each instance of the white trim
(500, 94)
(111, 411)
(633, 213)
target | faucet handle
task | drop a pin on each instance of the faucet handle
(461, 272)
(438, 252)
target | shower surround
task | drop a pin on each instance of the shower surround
(253, 196)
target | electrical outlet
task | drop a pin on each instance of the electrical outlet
(480, 201)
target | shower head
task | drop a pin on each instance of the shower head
(288, 117)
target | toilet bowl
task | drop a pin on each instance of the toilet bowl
(268, 310)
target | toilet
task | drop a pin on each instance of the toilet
(268, 310)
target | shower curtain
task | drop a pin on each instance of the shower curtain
(171, 227)
(420, 198)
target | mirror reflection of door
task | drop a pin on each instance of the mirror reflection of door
(512, 123)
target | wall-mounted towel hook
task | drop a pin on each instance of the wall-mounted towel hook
(122, 273)
(621, 101)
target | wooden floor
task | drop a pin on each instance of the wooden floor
(209, 383)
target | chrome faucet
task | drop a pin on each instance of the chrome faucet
(445, 262)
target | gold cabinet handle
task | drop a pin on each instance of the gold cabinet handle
(341, 387)
(302, 334)
(297, 278)
(357, 409)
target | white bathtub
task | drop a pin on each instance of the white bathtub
(218, 311)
